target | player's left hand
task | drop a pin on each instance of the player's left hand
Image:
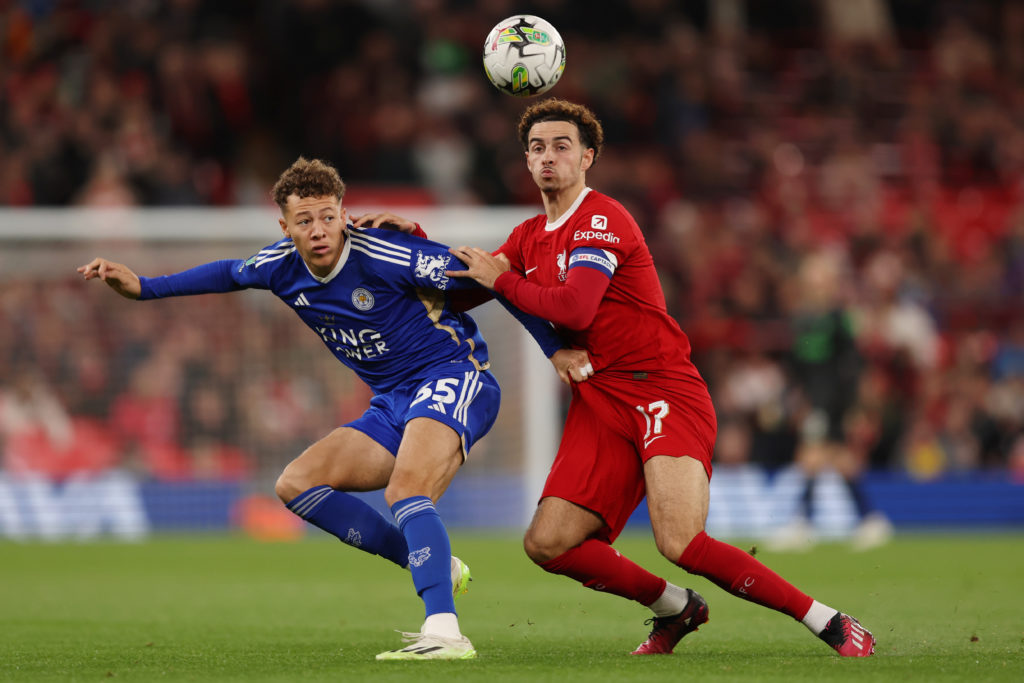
(481, 265)
(118, 276)
(572, 365)
(385, 219)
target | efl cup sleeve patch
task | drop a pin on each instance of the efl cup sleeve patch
(591, 257)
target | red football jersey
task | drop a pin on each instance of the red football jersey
(632, 330)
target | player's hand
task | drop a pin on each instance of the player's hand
(482, 266)
(385, 219)
(572, 365)
(118, 276)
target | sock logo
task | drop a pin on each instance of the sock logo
(747, 583)
(354, 538)
(418, 557)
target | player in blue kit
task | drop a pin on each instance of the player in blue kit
(377, 299)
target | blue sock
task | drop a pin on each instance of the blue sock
(430, 552)
(352, 521)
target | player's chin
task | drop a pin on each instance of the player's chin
(321, 258)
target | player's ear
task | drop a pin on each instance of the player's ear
(284, 226)
(588, 159)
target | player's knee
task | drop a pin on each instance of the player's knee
(672, 544)
(400, 487)
(393, 494)
(542, 547)
(290, 484)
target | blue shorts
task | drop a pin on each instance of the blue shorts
(465, 400)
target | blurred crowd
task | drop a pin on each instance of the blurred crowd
(833, 191)
(169, 390)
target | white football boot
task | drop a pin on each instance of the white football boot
(423, 646)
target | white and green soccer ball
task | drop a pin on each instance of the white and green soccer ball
(524, 56)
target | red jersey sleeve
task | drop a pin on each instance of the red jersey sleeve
(572, 305)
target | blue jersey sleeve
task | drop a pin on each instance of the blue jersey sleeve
(541, 330)
(227, 275)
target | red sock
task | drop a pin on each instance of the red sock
(597, 565)
(742, 575)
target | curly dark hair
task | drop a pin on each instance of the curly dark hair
(554, 109)
(307, 178)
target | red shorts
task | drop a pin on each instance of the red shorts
(615, 424)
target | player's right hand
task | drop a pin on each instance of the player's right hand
(118, 276)
(385, 219)
(572, 365)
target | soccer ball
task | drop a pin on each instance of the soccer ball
(524, 56)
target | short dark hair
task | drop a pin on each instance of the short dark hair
(553, 109)
(308, 178)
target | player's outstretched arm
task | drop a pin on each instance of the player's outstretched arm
(118, 276)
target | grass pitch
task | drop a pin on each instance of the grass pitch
(944, 608)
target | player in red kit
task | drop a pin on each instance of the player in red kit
(643, 422)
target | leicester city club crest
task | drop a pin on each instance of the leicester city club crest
(362, 299)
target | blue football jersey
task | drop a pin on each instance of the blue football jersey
(382, 311)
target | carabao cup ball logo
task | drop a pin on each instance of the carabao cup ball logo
(362, 299)
(524, 56)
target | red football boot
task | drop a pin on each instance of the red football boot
(845, 635)
(668, 631)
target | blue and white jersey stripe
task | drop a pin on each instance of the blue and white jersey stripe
(272, 254)
(379, 249)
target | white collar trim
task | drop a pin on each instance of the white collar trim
(569, 212)
(337, 267)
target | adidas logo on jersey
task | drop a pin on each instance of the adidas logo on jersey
(301, 301)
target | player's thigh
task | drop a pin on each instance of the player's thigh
(677, 500)
(346, 459)
(557, 526)
(445, 416)
(428, 458)
(597, 466)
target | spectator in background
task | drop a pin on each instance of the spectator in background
(898, 337)
(35, 427)
(827, 368)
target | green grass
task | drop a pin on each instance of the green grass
(944, 608)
